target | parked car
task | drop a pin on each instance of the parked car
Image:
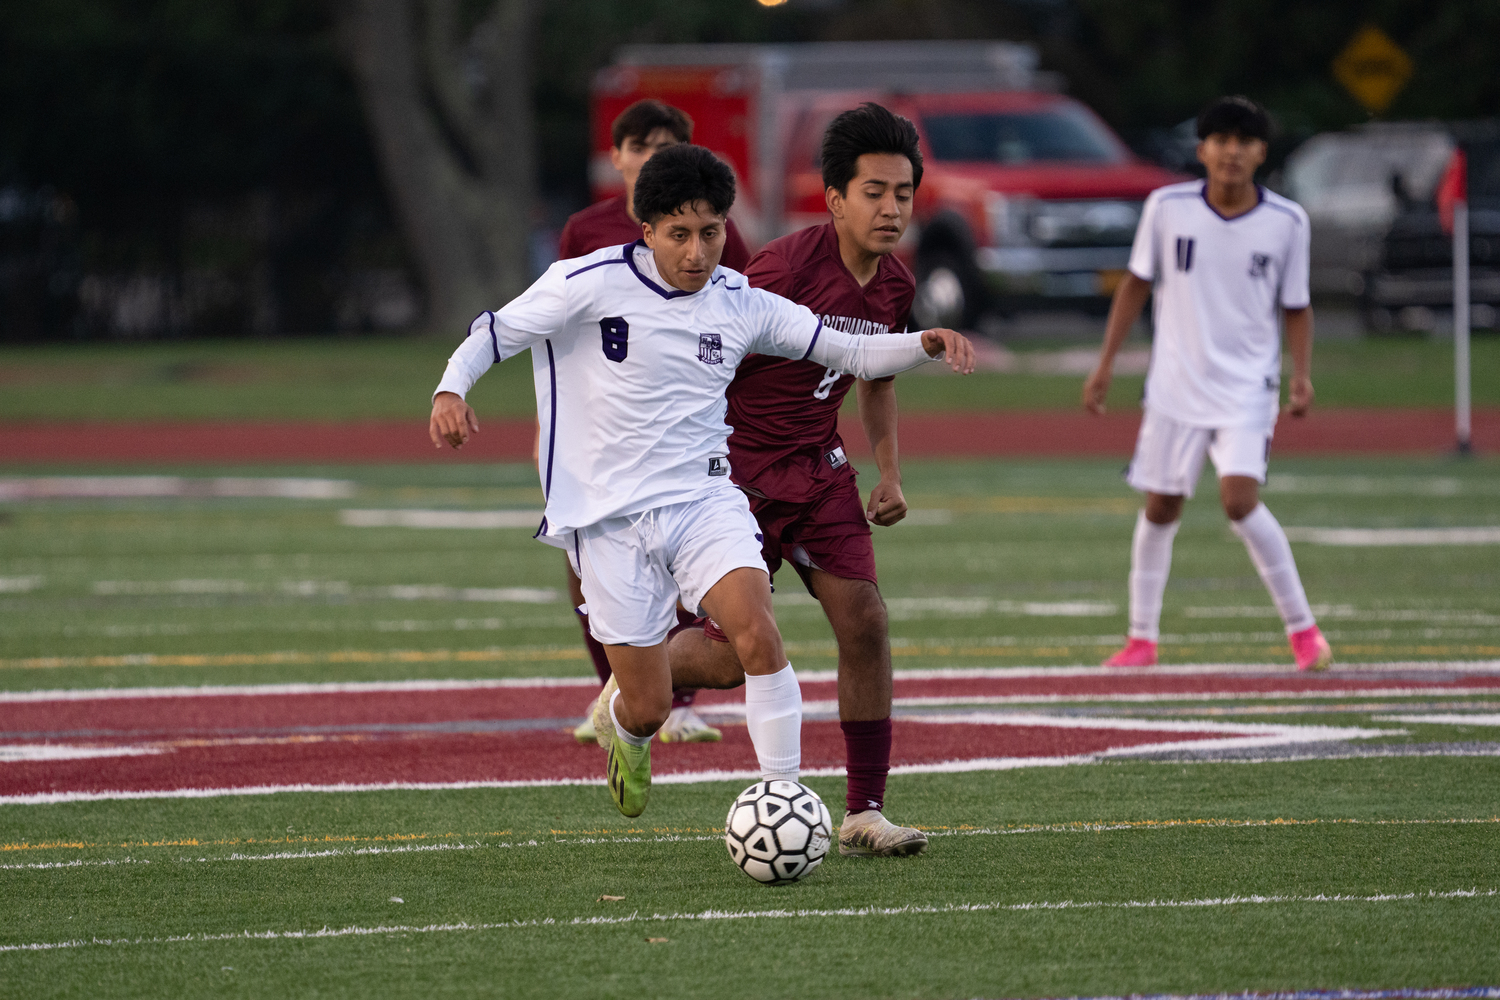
(1413, 281)
(1028, 199)
(1353, 184)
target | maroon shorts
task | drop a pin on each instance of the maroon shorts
(830, 532)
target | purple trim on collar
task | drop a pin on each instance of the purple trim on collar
(600, 263)
(1260, 199)
(675, 293)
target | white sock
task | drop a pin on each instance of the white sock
(1272, 555)
(631, 738)
(1150, 562)
(773, 714)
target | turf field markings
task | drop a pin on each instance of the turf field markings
(1451, 719)
(125, 487)
(908, 910)
(1345, 612)
(77, 863)
(20, 584)
(1373, 537)
(31, 752)
(462, 519)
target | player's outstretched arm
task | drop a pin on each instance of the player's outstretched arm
(452, 420)
(1130, 297)
(1299, 338)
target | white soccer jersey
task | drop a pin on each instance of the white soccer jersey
(1216, 358)
(631, 374)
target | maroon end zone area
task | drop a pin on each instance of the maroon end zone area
(923, 435)
(225, 741)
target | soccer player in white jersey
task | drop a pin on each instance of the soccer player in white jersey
(632, 349)
(1224, 257)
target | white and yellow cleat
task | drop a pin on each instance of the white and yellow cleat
(869, 834)
(684, 725)
(584, 732)
(602, 722)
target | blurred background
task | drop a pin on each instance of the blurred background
(275, 169)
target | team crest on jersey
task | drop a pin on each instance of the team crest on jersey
(710, 349)
(1259, 262)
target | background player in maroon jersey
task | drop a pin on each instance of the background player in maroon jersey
(638, 133)
(786, 453)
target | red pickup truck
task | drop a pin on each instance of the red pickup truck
(1028, 200)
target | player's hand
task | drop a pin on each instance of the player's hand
(1299, 396)
(960, 353)
(887, 505)
(1096, 388)
(452, 421)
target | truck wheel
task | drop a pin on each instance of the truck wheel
(949, 291)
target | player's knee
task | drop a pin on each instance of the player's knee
(865, 622)
(1239, 508)
(758, 644)
(649, 711)
(1162, 509)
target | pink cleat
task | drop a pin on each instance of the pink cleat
(1311, 649)
(1137, 653)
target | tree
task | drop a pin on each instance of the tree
(449, 108)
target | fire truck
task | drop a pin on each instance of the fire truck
(1028, 200)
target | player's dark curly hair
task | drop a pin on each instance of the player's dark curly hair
(644, 117)
(1235, 115)
(678, 176)
(868, 128)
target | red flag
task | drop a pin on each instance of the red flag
(1452, 189)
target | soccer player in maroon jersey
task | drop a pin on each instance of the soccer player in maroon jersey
(639, 132)
(786, 454)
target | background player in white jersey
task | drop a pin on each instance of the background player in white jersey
(1224, 255)
(632, 349)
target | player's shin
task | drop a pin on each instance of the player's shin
(1150, 564)
(773, 714)
(1272, 555)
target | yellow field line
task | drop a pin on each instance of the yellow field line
(963, 829)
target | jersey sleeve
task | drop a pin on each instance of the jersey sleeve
(1143, 263)
(533, 316)
(1295, 293)
(769, 271)
(789, 330)
(736, 256)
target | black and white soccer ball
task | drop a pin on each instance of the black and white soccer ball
(778, 831)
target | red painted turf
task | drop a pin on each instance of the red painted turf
(923, 435)
(227, 741)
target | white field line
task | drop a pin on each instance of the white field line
(467, 519)
(1373, 537)
(911, 909)
(28, 752)
(1451, 719)
(1481, 667)
(17, 488)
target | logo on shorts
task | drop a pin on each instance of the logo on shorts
(836, 458)
(710, 349)
(1259, 262)
(718, 466)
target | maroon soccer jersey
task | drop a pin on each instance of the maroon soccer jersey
(607, 224)
(785, 414)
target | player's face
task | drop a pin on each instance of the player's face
(875, 208)
(687, 245)
(1230, 159)
(632, 154)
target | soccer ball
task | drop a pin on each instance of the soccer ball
(778, 831)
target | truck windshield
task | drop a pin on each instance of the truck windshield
(1013, 138)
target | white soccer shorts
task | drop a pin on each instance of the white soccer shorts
(1169, 454)
(635, 568)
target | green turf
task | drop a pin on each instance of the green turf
(1027, 564)
(358, 378)
(1362, 828)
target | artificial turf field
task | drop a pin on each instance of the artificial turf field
(1291, 868)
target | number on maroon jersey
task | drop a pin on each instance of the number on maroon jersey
(826, 386)
(616, 334)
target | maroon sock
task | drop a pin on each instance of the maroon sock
(867, 746)
(596, 651)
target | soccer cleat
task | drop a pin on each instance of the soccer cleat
(629, 774)
(1311, 649)
(600, 719)
(684, 725)
(584, 732)
(868, 834)
(1137, 653)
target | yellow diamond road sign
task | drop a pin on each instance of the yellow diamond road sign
(1372, 68)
